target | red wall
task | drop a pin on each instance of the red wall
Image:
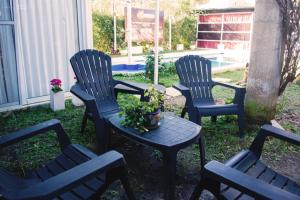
(233, 30)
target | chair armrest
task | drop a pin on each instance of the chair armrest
(81, 94)
(231, 86)
(181, 88)
(185, 92)
(268, 130)
(141, 87)
(53, 125)
(258, 189)
(89, 100)
(69, 179)
(239, 92)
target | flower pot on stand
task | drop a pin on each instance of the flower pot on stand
(76, 101)
(57, 100)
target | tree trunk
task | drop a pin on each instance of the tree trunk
(265, 59)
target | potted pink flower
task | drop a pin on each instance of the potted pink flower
(57, 99)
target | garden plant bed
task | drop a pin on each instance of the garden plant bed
(145, 163)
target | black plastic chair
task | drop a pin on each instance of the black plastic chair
(245, 176)
(76, 173)
(98, 90)
(196, 85)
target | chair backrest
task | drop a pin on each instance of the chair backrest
(94, 75)
(195, 73)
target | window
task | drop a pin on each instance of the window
(8, 67)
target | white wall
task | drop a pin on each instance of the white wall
(48, 33)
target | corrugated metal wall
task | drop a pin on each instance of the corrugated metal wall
(49, 37)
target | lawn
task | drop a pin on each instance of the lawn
(144, 163)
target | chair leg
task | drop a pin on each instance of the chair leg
(213, 119)
(126, 186)
(183, 112)
(241, 123)
(84, 121)
(197, 191)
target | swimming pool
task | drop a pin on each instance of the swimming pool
(140, 67)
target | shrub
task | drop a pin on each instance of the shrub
(149, 68)
(103, 32)
(183, 32)
(167, 68)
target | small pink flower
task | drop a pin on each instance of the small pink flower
(56, 85)
(55, 82)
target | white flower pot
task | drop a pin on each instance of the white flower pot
(76, 101)
(57, 100)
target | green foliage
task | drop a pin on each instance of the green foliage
(56, 89)
(149, 69)
(164, 69)
(135, 111)
(167, 68)
(184, 32)
(103, 32)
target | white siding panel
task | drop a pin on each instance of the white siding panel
(49, 37)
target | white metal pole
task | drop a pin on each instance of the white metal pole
(129, 32)
(170, 33)
(156, 42)
(115, 25)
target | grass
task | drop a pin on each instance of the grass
(221, 139)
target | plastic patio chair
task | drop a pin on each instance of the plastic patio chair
(97, 89)
(195, 84)
(76, 173)
(245, 176)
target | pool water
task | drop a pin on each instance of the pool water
(137, 68)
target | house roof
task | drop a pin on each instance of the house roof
(227, 5)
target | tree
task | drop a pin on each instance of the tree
(265, 62)
(290, 11)
(274, 60)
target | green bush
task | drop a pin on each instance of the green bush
(184, 32)
(164, 69)
(167, 68)
(103, 32)
(149, 68)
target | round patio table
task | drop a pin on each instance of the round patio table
(174, 134)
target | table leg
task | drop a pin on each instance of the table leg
(202, 151)
(169, 159)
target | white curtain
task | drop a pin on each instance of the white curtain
(8, 68)
(49, 37)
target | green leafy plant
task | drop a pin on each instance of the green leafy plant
(149, 69)
(103, 33)
(135, 112)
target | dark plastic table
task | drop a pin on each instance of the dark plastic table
(174, 134)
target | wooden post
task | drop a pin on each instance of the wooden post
(129, 32)
(156, 41)
(170, 33)
(115, 25)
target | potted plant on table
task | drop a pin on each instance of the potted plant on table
(57, 99)
(144, 116)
